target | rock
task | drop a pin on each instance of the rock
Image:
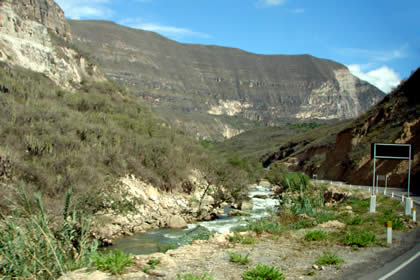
(156, 273)
(209, 217)
(332, 224)
(246, 205)
(220, 238)
(235, 213)
(316, 267)
(86, 274)
(176, 221)
(260, 196)
(278, 190)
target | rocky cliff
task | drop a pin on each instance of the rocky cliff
(35, 35)
(396, 119)
(201, 84)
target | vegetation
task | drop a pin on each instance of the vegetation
(316, 235)
(32, 245)
(190, 276)
(87, 139)
(151, 264)
(328, 258)
(263, 272)
(242, 239)
(238, 258)
(264, 224)
(114, 261)
(361, 239)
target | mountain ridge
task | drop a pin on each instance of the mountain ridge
(221, 81)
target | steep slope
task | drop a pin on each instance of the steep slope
(396, 119)
(63, 125)
(35, 35)
(208, 84)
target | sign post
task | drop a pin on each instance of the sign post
(392, 151)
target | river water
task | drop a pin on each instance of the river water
(152, 241)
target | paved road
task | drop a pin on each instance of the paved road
(405, 267)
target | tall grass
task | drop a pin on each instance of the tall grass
(33, 245)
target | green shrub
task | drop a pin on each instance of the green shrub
(263, 272)
(31, 247)
(238, 258)
(295, 181)
(246, 240)
(114, 262)
(190, 276)
(316, 235)
(89, 138)
(361, 239)
(324, 216)
(302, 223)
(354, 221)
(264, 224)
(328, 258)
(151, 264)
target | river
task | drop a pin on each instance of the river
(153, 241)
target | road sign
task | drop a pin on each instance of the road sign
(392, 151)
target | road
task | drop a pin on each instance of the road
(398, 192)
(404, 267)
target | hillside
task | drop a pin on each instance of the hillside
(396, 119)
(63, 125)
(218, 92)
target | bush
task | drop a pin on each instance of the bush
(354, 221)
(361, 239)
(246, 240)
(263, 272)
(89, 138)
(151, 264)
(190, 276)
(114, 262)
(31, 247)
(328, 258)
(238, 258)
(316, 235)
(264, 224)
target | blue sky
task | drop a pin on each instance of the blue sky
(379, 40)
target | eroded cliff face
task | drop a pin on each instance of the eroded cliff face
(396, 119)
(35, 35)
(346, 97)
(192, 80)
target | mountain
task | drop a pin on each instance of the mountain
(218, 92)
(346, 157)
(35, 35)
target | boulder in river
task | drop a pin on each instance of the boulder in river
(176, 221)
(234, 213)
(260, 196)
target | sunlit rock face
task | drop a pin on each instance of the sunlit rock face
(35, 35)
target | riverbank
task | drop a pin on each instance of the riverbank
(287, 242)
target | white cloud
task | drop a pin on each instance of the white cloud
(383, 78)
(77, 9)
(298, 11)
(166, 30)
(375, 55)
(272, 2)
